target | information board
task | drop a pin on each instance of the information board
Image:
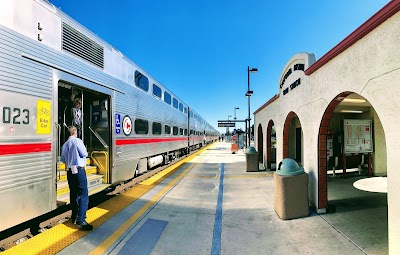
(357, 136)
(226, 124)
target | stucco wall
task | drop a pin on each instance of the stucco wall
(379, 154)
(371, 68)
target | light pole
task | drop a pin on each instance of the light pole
(228, 122)
(248, 95)
(234, 113)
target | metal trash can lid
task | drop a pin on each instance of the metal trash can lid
(289, 167)
(251, 150)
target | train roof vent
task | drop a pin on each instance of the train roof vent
(82, 46)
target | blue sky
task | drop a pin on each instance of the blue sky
(200, 50)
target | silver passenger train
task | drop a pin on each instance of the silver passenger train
(130, 122)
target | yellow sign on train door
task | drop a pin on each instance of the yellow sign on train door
(43, 121)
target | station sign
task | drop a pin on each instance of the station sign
(226, 124)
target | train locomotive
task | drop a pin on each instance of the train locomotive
(128, 120)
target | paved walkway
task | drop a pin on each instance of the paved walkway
(211, 205)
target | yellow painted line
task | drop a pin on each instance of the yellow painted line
(62, 178)
(62, 191)
(58, 237)
(124, 227)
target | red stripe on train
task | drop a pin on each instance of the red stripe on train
(150, 140)
(11, 149)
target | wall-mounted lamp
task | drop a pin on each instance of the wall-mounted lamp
(350, 111)
(354, 100)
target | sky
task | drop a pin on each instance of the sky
(200, 50)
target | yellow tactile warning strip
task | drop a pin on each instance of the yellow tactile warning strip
(124, 227)
(60, 236)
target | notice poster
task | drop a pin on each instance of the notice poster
(43, 120)
(357, 136)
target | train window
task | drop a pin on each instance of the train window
(175, 103)
(181, 107)
(141, 127)
(185, 110)
(141, 81)
(181, 131)
(157, 91)
(185, 132)
(175, 130)
(191, 131)
(167, 130)
(167, 97)
(156, 128)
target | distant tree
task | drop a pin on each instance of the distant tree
(273, 137)
(239, 131)
(273, 132)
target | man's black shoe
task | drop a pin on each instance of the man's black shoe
(84, 226)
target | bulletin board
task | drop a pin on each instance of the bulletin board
(357, 135)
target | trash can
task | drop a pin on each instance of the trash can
(251, 159)
(291, 190)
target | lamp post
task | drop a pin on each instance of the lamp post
(234, 113)
(248, 95)
(228, 121)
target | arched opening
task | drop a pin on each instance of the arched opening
(271, 146)
(260, 144)
(351, 149)
(293, 138)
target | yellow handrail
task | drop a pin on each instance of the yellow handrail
(103, 166)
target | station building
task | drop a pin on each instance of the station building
(341, 112)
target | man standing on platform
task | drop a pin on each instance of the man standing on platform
(73, 154)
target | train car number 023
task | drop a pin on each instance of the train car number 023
(14, 115)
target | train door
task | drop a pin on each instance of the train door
(89, 111)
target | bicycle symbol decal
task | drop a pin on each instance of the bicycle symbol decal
(44, 111)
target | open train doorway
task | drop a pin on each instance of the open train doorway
(89, 112)
(352, 171)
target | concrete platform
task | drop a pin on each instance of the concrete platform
(214, 207)
(211, 205)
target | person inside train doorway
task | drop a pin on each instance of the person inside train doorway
(77, 116)
(73, 154)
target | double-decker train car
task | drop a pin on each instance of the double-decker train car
(129, 121)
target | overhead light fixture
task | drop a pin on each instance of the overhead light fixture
(354, 100)
(350, 111)
(249, 93)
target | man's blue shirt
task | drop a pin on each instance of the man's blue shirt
(73, 152)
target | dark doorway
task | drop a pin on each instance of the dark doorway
(298, 145)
